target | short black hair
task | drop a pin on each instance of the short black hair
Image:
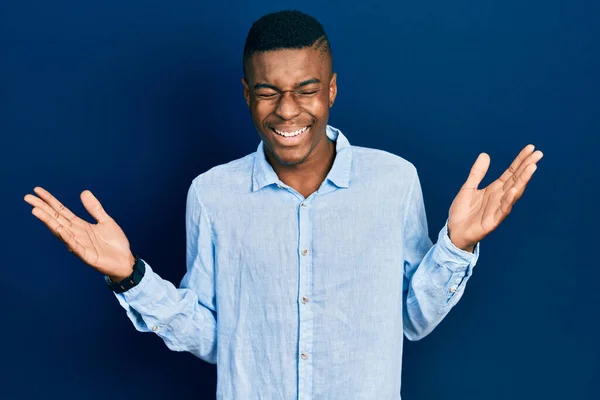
(288, 29)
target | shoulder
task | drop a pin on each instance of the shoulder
(231, 178)
(382, 165)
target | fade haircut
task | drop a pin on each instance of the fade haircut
(289, 29)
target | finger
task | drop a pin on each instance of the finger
(506, 203)
(93, 206)
(514, 166)
(523, 180)
(54, 203)
(478, 171)
(60, 231)
(514, 178)
(37, 202)
(514, 193)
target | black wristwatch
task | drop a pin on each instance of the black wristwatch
(139, 268)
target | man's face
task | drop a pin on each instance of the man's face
(289, 93)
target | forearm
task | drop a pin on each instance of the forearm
(174, 314)
(436, 285)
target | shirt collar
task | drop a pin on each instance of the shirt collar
(339, 174)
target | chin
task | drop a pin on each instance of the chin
(290, 158)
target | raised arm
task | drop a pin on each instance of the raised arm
(435, 275)
(184, 317)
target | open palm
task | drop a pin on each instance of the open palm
(475, 212)
(103, 245)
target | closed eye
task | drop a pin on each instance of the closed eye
(266, 95)
(307, 93)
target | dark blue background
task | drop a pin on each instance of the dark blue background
(134, 99)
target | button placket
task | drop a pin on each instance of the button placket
(305, 265)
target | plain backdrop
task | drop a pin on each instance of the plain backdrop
(133, 99)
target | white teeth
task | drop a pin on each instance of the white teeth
(290, 134)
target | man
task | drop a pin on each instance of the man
(308, 260)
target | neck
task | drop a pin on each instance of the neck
(307, 176)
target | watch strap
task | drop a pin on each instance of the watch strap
(139, 268)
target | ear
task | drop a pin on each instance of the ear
(332, 89)
(246, 91)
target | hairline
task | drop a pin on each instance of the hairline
(321, 44)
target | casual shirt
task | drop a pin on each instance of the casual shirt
(305, 298)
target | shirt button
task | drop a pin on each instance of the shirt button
(304, 205)
(304, 252)
(304, 356)
(279, 186)
(452, 289)
(304, 300)
(155, 328)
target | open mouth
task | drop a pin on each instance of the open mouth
(290, 133)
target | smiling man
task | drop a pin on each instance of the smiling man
(290, 86)
(308, 260)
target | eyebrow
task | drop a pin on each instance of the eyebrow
(303, 83)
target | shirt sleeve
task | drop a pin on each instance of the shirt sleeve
(435, 275)
(185, 317)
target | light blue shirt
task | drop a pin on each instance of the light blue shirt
(305, 298)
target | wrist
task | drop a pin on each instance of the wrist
(118, 278)
(128, 270)
(119, 285)
(460, 243)
(467, 248)
(463, 246)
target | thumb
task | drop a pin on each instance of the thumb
(478, 171)
(93, 206)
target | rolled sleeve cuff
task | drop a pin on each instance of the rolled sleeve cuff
(450, 256)
(146, 292)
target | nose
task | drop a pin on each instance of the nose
(287, 107)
